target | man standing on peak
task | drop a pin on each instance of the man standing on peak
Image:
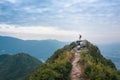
(80, 37)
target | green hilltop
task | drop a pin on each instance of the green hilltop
(94, 65)
(18, 66)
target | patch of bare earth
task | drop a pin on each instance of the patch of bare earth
(76, 72)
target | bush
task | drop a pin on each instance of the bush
(58, 67)
(96, 67)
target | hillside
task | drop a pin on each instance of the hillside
(88, 61)
(17, 67)
(36, 48)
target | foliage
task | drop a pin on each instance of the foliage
(57, 67)
(59, 52)
(96, 67)
(17, 67)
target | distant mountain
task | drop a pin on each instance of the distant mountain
(18, 66)
(111, 51)
(41, 49)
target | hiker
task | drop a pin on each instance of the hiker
(80, 37)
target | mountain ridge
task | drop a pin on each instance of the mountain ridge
(36, 48)
(94, 65)
(18, 66)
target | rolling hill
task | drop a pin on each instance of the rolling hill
(18, 66)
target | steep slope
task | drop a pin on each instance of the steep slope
(95, 66)
(17, 67)
(57, 67)
(85, 63)
(36, 48)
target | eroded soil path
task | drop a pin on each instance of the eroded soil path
(76, 72)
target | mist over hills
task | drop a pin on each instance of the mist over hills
(41, 49)
(111, 51)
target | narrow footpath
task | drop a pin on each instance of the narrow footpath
(76, 73)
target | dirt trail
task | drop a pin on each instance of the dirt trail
(76, 73)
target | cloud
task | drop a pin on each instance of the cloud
(35, 10)
(63, 14)
(90, 17)
(12, 1)
(38, 33)
(48, 32)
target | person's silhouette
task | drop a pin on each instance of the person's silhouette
(80, 37)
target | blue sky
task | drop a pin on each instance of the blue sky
(97, 20)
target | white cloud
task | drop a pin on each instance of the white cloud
(89, 17)
(44, 32)
(12, 1)
(33, 9)
(37, 33)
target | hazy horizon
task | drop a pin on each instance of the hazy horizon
(96, 20)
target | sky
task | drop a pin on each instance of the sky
(96, 20)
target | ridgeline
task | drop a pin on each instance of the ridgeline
(80, 60)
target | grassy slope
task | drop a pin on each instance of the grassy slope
(95, 66)
(57, 67)
(17, 67)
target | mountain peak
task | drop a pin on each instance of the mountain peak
(79, 60)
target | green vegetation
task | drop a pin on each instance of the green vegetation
(59, 52)
(17, 67)
(57, 67)
(96, 67)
